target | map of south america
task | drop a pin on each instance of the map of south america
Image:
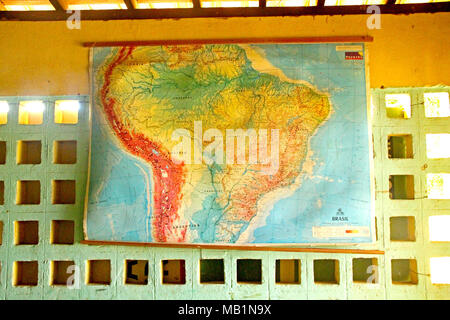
(144, 96)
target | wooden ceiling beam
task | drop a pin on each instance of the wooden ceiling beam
(57, 5)
(222, 12)
(129, 4)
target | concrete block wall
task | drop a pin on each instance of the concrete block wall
(421, 250)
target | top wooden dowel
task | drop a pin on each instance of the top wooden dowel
(343, 39)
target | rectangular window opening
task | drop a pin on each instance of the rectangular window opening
(439, 270)
(63, 192)
(404, 271)
(249, 271)
(212, 271)
(66, 111)
(28, 192)
(136, 272)
(401, 187)
(29, 152)
(400, 146)
(287, 271)
(26, 232)
(438, 185)
(99, 272)
(438, 145)
(326, 271)
(364, 270)
(31, 112)
(62, 232)
(60, 271)
(403, 228)
(25, 273)
(174, 272)
(398, 106)
(436, 104)
(65, 152)
(439, 227)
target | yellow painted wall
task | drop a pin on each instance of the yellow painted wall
(46, 58)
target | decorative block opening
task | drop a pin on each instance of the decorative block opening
(66, 111)
(26, 273)
(249, 271)
(136, 272)
(401, 187)
(62, 232)
(4, 109)
(436, 104)
(398, 106)
(65, 152)
(60, 271)
(2, 152)
(400, 146)
(2, 192)
(31, 112)
(1, 232)
(26, 232)
(212, 271)
(365, 270)
(438, 145)
(174, 272)
(29, 152)
(63, 192)
(326, 271)
(439, 227)
(402, 228)
(28, 192)
(438, 185)
(287, 271)
(439, 270)
(404, 271)
(99, 272)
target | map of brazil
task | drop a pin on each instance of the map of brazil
(229, 144)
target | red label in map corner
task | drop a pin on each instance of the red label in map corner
(353, 55)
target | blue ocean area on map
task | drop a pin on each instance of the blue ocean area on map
(129, 220)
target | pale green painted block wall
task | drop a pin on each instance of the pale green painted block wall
(421, 208)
